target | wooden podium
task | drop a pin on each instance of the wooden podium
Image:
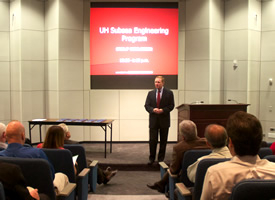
(205, 114)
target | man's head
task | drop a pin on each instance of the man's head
(188, 130)
(67, 133)
(159, 82)
(15, 132)
(2, 132)
(245, 133)
(216, 135)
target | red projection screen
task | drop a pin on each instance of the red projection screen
(132, 43)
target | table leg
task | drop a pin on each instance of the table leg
(105, 139)
(40, 132)
(111, 130)
(30, 132)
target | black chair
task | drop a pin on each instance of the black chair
(271, 158)
(78, 149)
(62, 162)
(264, 151)
(269, 144)
(189, 158)
(254, 189)
(38, 175)
(184, 193)
(2, 192)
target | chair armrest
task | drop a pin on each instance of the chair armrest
(183, 190)
(172, 181)
(163, 169)
(93, 175)
(163, 165)
(84, 172)
(68, 192)
(94, 163)
(82, 183)
(174, 176)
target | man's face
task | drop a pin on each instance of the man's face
(158, 83)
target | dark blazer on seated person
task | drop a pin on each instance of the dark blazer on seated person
(14, 182)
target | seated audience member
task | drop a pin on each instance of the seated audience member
(103, 176)
(190, 140)
(15, 135)
(216, 139)
(55, 139)
(67, 134)
(245, 137)
(15, 184)
(3, 143)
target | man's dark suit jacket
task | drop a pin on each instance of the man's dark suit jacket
(14, 182)
(166, 103)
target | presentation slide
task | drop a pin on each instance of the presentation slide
(130, 45)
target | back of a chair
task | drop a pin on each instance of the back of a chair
(78, 149)
(201, 171)
(37, 173)
(189, 158)
(61, 160)
(2, 192)
(254, 189)
(271, 158)
(269, 144)
(264, 151)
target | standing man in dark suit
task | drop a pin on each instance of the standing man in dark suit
(159, 103)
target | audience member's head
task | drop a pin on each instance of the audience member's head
(54, 138)
(67, 133)
(15, 132)
(188, 130)
(2, 132)
(216, 135)
(245, 134)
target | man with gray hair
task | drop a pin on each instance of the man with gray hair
(190, 140)
(67, 134)
(3, 143)
(216, 137)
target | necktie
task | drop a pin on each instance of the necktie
(158, 99)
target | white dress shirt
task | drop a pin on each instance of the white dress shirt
(221, 178)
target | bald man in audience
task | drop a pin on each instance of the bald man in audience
(3, 143)
(245, 136)
(15, 134)
(216, 139)
(190, 140)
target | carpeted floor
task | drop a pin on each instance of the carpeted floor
(131, 160)
(125, 156)
(127, 197)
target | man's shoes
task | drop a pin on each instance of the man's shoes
(156, 187)
(150, 162)
(109, 174)
(108, 170)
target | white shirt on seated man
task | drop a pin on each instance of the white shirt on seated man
(245, 136)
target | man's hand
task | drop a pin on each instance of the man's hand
(34, 193)
(157, 111)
